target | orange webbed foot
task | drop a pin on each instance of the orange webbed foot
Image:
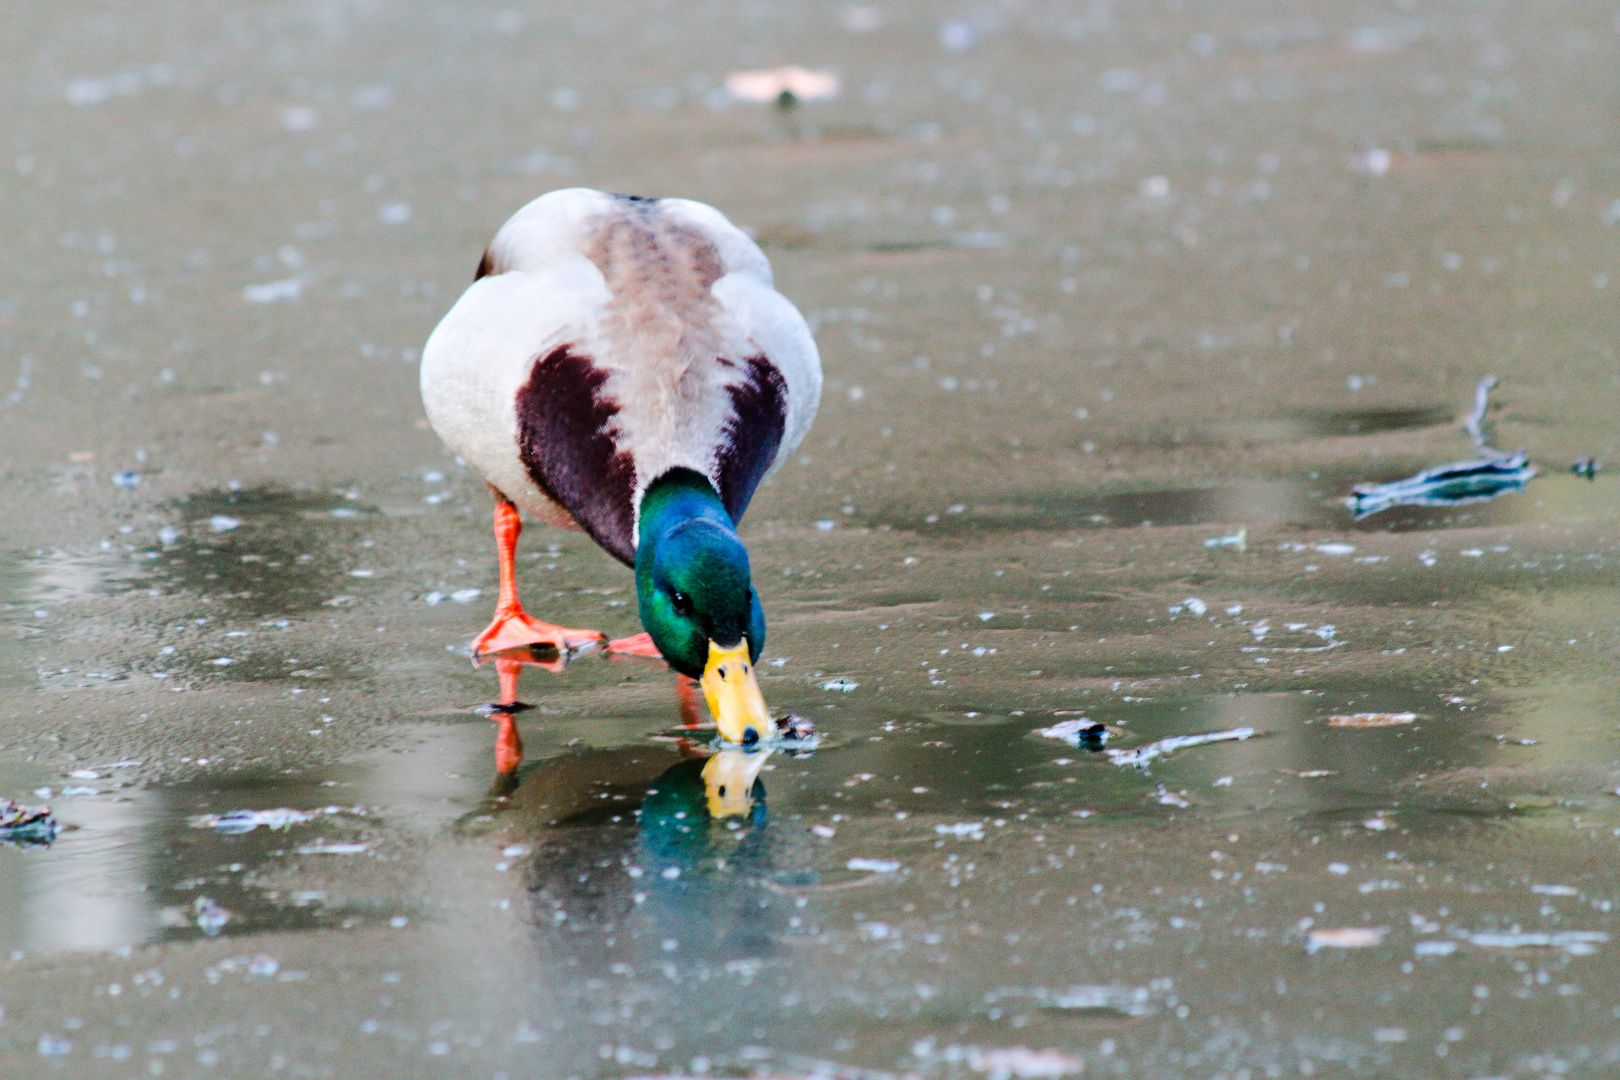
(516, 630)
(636, 645)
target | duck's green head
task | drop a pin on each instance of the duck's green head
(698, 602)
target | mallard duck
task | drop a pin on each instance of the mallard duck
(624, 366)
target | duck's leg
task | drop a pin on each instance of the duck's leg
(689, 700)
(694, 713)
(512, 627)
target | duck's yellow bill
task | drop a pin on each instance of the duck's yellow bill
(733, 694)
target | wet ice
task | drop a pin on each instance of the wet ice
(1129, 332)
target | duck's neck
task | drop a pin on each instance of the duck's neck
(678, 496)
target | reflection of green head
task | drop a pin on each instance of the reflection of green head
(676, 797)
(704, 877)
(676, 816)
(682, 802)
(692, 574)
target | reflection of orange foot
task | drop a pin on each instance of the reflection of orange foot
(514, 629)
(638, 645)
(508, 745)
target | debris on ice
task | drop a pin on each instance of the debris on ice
(322, 847)
(270, 291)
(1446, 485)
(962, 830)
(784, 86)
(1008, 1062)
(1374, 162)
(1345, 937)
(211, 917)
(1135, 1001)
(1574, 942)
(876, 866)
(1140, 756)
(798, 732)
(1081, 732)
(1495, 472)
(20, 824)
(234, 822)
(1166, 797)
(1371, 719)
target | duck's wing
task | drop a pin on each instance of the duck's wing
(484, 350)
(611, 339)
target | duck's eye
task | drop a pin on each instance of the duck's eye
(682, 603)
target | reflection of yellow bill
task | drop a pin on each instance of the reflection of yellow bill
(733, 694)
(728, 781)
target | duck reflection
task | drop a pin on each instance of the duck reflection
(703, 848)
(732, 785)
(508, 743)
(645, 856)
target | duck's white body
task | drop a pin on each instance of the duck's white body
(608, 340)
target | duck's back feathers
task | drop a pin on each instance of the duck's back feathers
(610, 339)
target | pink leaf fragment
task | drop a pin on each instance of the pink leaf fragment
(1345, 937)
(764, 87)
